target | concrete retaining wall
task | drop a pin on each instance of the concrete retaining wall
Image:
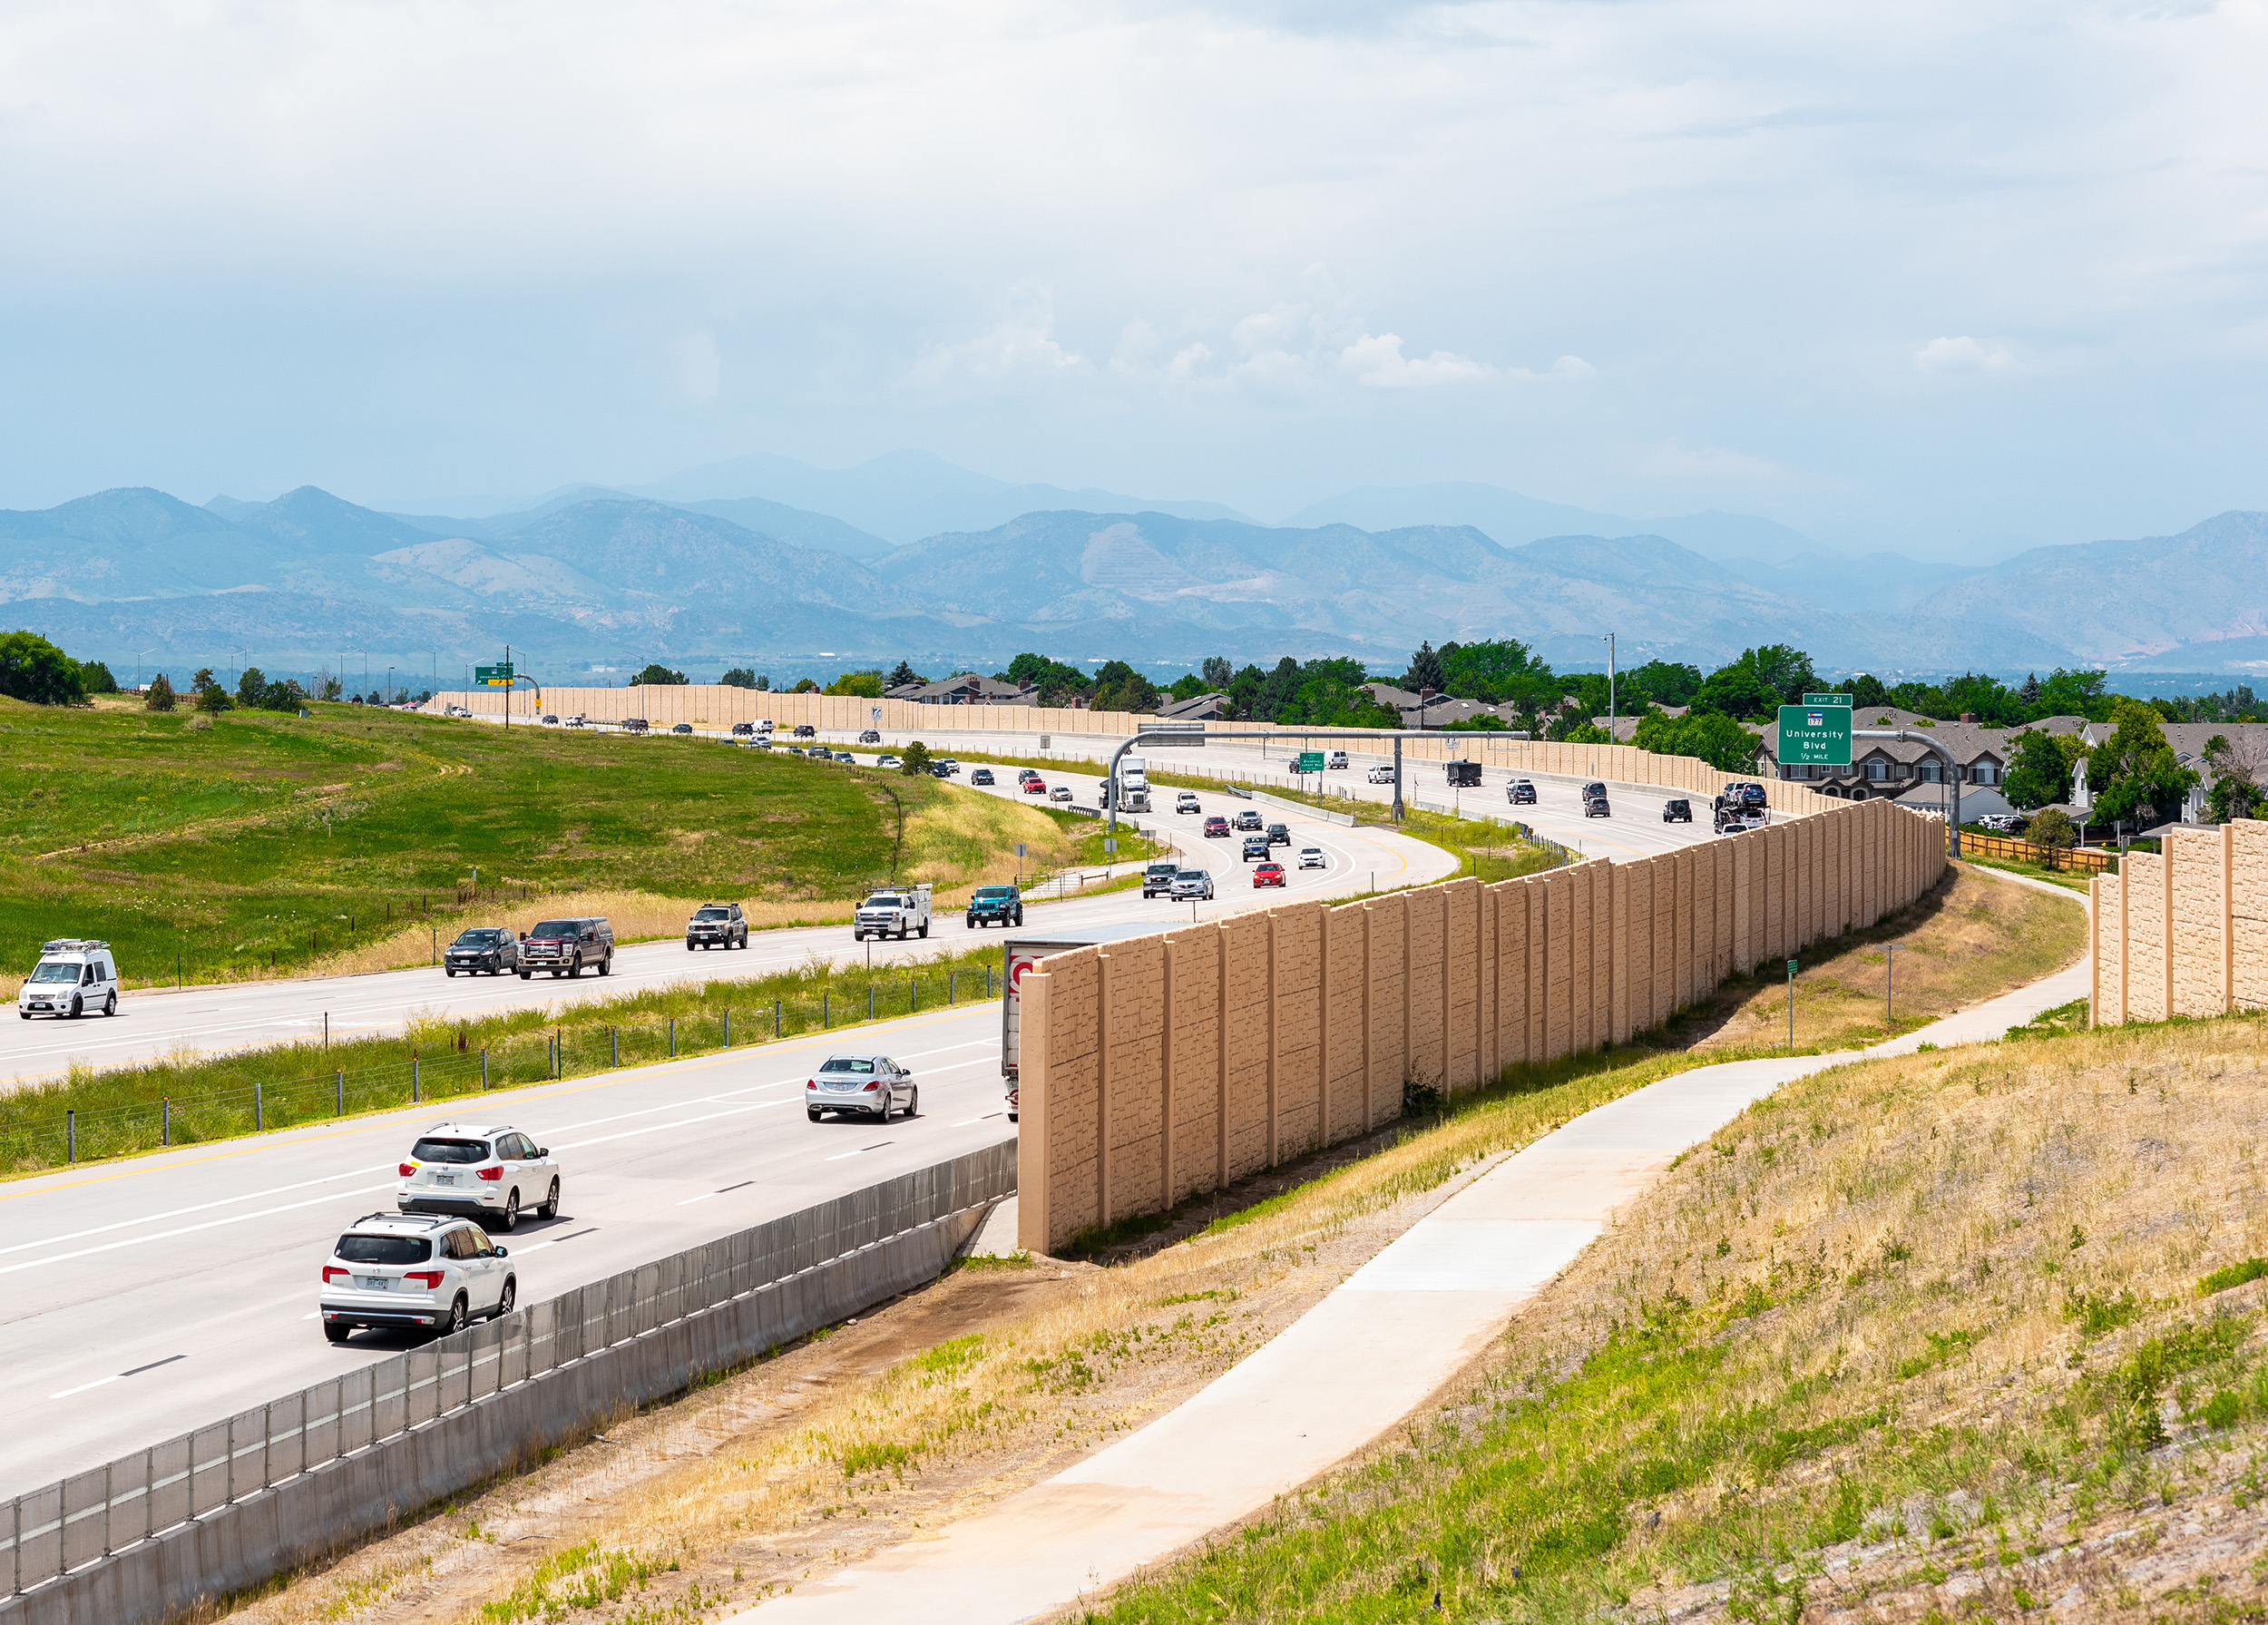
(1164, 1066)
(305, 1518)
(2183, 932)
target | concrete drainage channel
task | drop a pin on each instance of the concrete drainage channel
(226, 1506)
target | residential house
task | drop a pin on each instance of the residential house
(2248, 743)
(1198, 708)
(966, 690)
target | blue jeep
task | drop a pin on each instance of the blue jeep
(995, 905)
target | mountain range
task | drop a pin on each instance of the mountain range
(721, 566)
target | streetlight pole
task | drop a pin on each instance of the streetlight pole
(1610, 687)
(389, 685)
(137, 664)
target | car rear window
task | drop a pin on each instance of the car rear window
(384, 1249)
(450, 1151)
(555, 928)
(848, 1063)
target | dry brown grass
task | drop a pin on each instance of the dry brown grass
(1970, 938)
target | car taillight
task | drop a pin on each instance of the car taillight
(811, 1083)
(428, 1278)
(332, 1270)
(408, 1169)
(872, 1084)
(492, 1173)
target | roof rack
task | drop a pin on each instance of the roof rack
(72, 945)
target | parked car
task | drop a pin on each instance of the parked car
(1035, 786)
(995, 905)
(1248, 820)
(1256, 847)
(402, 1272)
(803, 731)
(1595, 801)
(1336, 760)
(981, 776)
(1382, 774)
(717, 926)
(869, 1085)
(1268, 873)
(1193, 885)
(490, 949)
(1187, 802)
(1311, 858)
(488, 1172)
(1158, 879)
(1677, 811)
(1217, 828)
(567, 947)
(1520, 793)
(74, 976)
(1279, 835)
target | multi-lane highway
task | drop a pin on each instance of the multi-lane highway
(145, 1297)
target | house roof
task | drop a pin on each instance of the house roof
(1625, 727)
(1198, 708)
(1966, 742)
(967, 690)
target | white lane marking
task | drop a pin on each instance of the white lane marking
(121, 1376)
(862, 1150)
(197, 1207)
(987, 1117)
(703, 1197)
(83, 1387)
(188, 1230)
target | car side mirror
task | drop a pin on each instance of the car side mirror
(504, 1252)
(542, 1151)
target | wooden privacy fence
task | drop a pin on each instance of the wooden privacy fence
(1162, 1067)
(2084, 860)
(2183, 932)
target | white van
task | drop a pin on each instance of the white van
(1338, 759)
(74, 976)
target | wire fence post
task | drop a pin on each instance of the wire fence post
(825, 1015)
(338, 1094)
(727, 1043)
(870, 1001)
(913, 995)
(412, 1080)
(950, 978)
(260, 1108)
(70, 1136)
(673, 1038)
(615, 1046)
(774, 1018)
(483, 1067)
(165, 1121)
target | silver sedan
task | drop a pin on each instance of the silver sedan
(862, 1085)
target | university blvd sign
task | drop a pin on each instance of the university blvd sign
(1816, 735)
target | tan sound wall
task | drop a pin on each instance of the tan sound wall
(2183, 932)
(713, 706)
(1165, 1066)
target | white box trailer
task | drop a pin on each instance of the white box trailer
(1020, 954)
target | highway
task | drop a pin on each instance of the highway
(146, 1296)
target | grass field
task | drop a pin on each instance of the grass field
(254, 842)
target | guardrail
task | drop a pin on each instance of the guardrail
(149, 1496)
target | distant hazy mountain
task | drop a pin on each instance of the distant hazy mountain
(902, 495)
(1874, 584)
(2129, 600)
(1510, 518)
(804, 528)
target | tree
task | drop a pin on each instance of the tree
(763, 683)
(2028, 695)
(2039, 774)
(327, 687)
(1588, 733)
(740, 677)
(1188, 686)
(160, 695)
(250, 686)
(1426, 671)
(658, 676)
(2075, 694)
(2236, 791)
(32, 668)
(2052, 828)
(1217, 674)
(916, 759)
(211, 698)
(2132, 775)
(203, 679)
(1740, 691)
(1664, 683)
(1494, 669)
(1058, 683)
(1711, 736)
(94, 677)
(865, 685)
(804, 685)
(901, 675)
(1867, 692)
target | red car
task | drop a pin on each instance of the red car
(1035, 787)
(1268, 873)
(1217, 828)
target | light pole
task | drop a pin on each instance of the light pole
(365, 653)
(1610, 687)
(389, 685)
(137, 664)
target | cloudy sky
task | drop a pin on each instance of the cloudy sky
(1933, 276)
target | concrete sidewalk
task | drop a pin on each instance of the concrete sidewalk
(1344, 1373)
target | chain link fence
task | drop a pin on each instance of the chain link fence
(88, 1516)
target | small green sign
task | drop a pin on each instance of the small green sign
(495, 677)
(1841, 700)
(1791, 967)
(1818, 735)
(1310, 761)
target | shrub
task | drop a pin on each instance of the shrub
(160, 695)
(32, 668)
(2051, 828)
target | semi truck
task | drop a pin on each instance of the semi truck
(1132, 788)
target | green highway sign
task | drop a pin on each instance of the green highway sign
(495, 677)
(1310, 761)
(1818, 735)
(1841, 700)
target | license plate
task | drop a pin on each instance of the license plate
(444, 1179)
(371, 1283)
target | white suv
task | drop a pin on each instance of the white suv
(1187, 802)
(409, 1272)
(475, 1170)
(74, 976)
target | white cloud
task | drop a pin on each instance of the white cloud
(1961, 355)
(1021, 346)
(1378, 362)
